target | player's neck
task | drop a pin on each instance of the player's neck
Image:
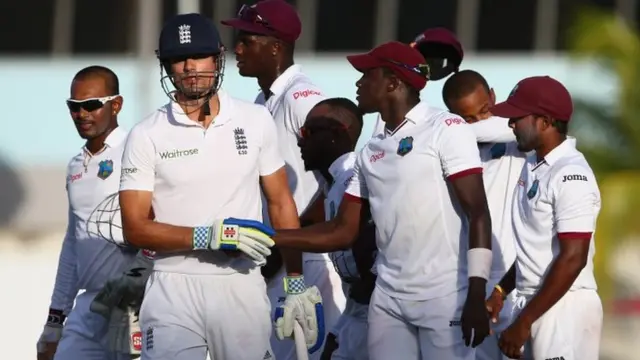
(547, 146)
(393, 113)
(196, 112)
(266, 80)
(97, 143)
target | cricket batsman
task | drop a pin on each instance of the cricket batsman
(198, 165)
(422, 182)
(267, 32)
(86, 261)
(557, 312)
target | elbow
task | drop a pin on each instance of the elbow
(134, 234)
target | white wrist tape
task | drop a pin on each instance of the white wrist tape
(479, 263)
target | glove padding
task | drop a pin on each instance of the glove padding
(125, 291)
(304, 307)
(249, 236)
(123, 334)
(51, 334)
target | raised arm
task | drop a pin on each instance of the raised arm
(136, 192)
(493, 130)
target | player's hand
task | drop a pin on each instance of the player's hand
(330, 345)
(48, 342)
(494, 305)
(513, 339)
(475, 319)
(126, 290)
(251, 237)
(302, 305)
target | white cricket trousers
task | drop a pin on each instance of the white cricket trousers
(489, 349)
(570, 330)
(318, 272)
(351, 333)
(83, 336)
(417, 330)
(184, 316)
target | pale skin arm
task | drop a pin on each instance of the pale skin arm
(142, 232)
(283, 215)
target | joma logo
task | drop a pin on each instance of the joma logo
(566, 178)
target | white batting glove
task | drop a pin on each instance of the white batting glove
(52, 332)
(304, 306)
(249, 236)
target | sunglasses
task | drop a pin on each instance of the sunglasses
(249, 14)
(420, 69)
(89, 105)
(307, 131)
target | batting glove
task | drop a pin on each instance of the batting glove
(52, 330)
(123, 334)
(249, 236)
(302, 305)
(127, 290)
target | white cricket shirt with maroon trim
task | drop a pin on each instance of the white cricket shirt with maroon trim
(421, 232)
(293, 95)
(557, 200)
(200, 175)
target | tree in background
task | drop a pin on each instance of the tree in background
(614, 153)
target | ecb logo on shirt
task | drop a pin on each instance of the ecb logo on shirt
(405, 146)
(534, 189)
(105, 168)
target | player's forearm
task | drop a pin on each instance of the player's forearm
(151, 235)
(286, 217)
(66, 286)
(480, 230)
(493, 130)
(563, 272)
(317, 238)
(508, 281)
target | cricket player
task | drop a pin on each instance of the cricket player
(443, 52)
(267, 32)
(468, 95)
(86, 261)
(199, 164)
(558, 313)
(328, 141)
(422, 180)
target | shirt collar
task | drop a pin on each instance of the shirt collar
(559, 151)
(280, 84)
(115, 138)
(224, 114)
(342, 164)
(415, 115)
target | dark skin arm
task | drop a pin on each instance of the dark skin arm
(572, 258)
(508, 281)
(283, 215)
(334, 235)
(469, 190)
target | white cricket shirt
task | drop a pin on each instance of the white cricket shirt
(199, 175)
(557, 198)
(86, 260)
(293, 95)
(421, 232)
(502, 165)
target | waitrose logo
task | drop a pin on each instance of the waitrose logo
(177, 153)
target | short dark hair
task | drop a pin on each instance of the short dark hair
(561, 125)
(345, 109)
(462, 84)
(110, 78)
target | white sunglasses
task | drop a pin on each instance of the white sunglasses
(89, 105)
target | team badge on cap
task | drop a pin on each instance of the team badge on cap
(534, 189)
(405, 146)
(105, 168)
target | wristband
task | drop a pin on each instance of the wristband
(294, 285)
(56, 317)
(479, 263)
(201, 237)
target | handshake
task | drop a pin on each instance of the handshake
(251, 237)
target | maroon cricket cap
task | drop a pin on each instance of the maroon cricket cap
(275, 18)
(406, 62)
(538, 95)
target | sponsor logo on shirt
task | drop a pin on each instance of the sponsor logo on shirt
(377, 156)
(74, 177)
(128, 171)
(305, 94)
(454, 121)
(453, 323)
(575, 177)
(177, 153)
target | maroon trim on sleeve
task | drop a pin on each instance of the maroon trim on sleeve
(464, 173)
(575, 236)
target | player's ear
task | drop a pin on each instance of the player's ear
(116, 105)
